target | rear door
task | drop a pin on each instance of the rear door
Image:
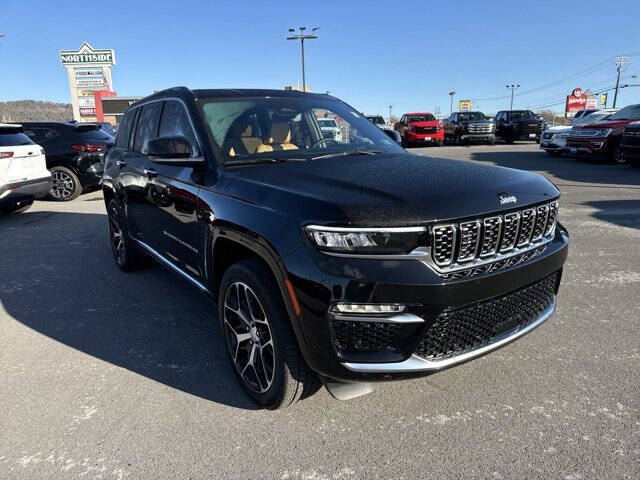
(179, 235)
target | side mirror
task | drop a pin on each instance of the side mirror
(393, 135)
(169, 147)
(172, 150)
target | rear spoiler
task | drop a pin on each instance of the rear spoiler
(11, 128)
(86, 127)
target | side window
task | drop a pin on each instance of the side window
(122, 140)
(403, 119)
(175, 121)
(147, 126)
(40, 135)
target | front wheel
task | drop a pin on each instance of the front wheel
(126, 256)
(491, 142)
(259, 338)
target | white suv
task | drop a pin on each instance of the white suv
(23, 170)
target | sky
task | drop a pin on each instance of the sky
(369, 53)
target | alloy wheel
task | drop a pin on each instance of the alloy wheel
(63, 185)
(115, 235)
(248, 336)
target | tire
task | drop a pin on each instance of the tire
(508, 140)
(617, 157)
(457, 140)
(126, 256)
(635, 163)
(259, 338)
(491, 142)
(66, 185)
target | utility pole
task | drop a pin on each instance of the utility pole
(302, 37)
(512, 87)
(451, 94)
(390, 107)
(620, 63)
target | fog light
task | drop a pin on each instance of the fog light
(367, 308)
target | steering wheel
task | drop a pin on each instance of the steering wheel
(325, 140)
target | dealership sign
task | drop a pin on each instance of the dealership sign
(579, 100)
(464, 105)
(87, 55)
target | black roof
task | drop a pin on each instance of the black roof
(232, 92)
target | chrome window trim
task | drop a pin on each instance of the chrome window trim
(418, 364)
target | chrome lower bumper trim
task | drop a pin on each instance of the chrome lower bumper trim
(400, 318)
(419, 364)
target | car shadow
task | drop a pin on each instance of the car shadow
(563, 167)
(624, 213)
(58, 279)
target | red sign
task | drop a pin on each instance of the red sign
(98, 95)
(576, 101)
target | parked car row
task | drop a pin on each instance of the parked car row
(607, 135)
(422, 128)
(49, 159)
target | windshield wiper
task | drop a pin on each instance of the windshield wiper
(348, 154)
(258, 161)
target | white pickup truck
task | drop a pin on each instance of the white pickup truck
(23, 170)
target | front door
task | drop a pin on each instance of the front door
(179, 233)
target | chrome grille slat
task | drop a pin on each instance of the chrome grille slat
(510, 235)
(492, 227)
(483, 242)
(542, 212)
(444, 244)
(528, 220)
(469, 240)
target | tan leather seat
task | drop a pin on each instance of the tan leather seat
(279, 139)
(246, 144)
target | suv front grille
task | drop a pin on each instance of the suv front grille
(461, 245)
(457, 331)
(480, 128)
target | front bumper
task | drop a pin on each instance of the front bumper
(477, 137)
(589, 146)
(435, 137)
(320, 280)
(24, 191)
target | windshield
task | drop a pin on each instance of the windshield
(630, 112)
(425, 117)
(471, 116)
(260, 129)
(378, 120)
(518, 114)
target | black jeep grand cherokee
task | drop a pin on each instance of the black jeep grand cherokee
(347, 261)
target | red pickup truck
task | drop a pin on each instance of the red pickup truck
(419, 129)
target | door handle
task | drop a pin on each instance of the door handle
(150, 172)
(120, 163)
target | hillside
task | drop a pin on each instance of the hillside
(34, 111)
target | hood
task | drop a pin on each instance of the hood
(537, 121)
(558, 128)
(606, 124)
(466, 122)
(385, 190)
(424, 124)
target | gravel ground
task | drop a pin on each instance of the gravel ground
(112, 375)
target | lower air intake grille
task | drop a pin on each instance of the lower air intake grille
(363, 337)
(469, 328)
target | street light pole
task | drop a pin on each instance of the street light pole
(302, 37)
(390, 107)
(621, 62)
(512, 87)
(451, 94)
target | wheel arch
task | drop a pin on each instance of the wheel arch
(229, 244)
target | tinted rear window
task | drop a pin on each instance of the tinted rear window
(14, 139)
(98, 134)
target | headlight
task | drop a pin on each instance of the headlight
(375, 241)
(602, 132)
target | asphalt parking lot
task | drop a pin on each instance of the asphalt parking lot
(111, 375)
